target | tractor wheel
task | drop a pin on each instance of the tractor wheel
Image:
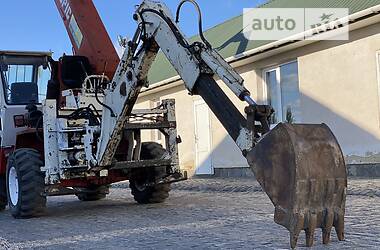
(26, 184)
(3, 193)
(93, 194)
(154, 194)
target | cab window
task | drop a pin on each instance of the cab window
(24, 84)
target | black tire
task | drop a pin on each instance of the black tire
(3, 193)
(93, 194)
(30, 201)
(155, 194)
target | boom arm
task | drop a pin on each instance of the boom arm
(195, 63)
(88, 35)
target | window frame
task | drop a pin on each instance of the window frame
(5, 83)
(277, 69)
(35, 59)
(378, 77)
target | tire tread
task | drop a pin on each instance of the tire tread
(94, 194)
(158, 193)
(32, 202)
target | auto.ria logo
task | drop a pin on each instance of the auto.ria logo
(296, 24)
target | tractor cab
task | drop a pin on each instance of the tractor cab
(23, 80)
(24, 77)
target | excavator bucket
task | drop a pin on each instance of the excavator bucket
(302, 169)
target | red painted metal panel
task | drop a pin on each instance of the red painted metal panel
(4, 153)
(30, 139)
(113, 177)
(88, 35)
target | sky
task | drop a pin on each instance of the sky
(37, 25)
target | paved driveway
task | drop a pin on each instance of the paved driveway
(189, 219)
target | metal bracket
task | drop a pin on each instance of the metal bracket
(176, 177)
(259, 113)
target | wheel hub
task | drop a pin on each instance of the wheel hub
(13, 186)
(140, 185)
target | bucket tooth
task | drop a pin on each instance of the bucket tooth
(310, 230)
(293, 240)
(339, 225)
(329, 214)
(297, 225)
(339, 213)
(302, 170)
(326, 230)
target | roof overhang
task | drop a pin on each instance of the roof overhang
(25, 53)
(356, 21)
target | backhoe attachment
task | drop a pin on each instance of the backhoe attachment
(300, 167)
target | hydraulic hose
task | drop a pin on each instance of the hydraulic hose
(200, 25)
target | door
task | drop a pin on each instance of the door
(202, 139)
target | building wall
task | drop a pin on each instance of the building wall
(338, 86)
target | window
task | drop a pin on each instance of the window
(24, 84)
(43, 77)
(282, 92)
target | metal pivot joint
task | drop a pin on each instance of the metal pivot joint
(261, 114)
